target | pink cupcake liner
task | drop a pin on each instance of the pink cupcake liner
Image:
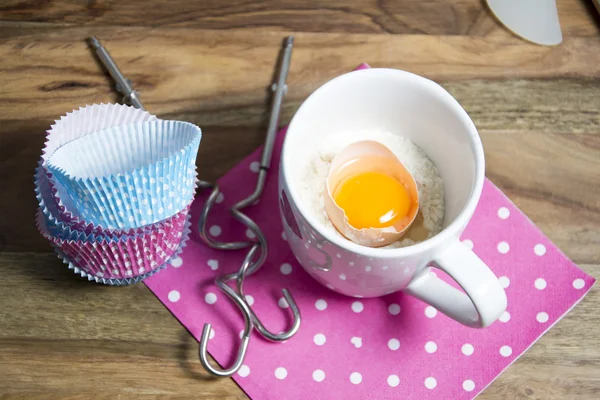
(128, 281)
(130, 256)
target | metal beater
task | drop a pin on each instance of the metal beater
(257, 248)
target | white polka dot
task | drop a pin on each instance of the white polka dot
(367, 268)
(468, 243)
(351, 263)
(503, 247)
(430, 347)
(503, 212)
(355, 378)
(467, 349)
(174, 296)
(280, 373)
(320, 339)
(393, 380)
(539, 249)
(215, 230)
(504, 281)
(343, 277)
(244, 371)
(430, 312)
(393, 344)
(468, 385)
(356, 341)
(220, 198)
(394, 309)
(141, 270)
(249, 299)
(283, 303)
(211, 334)
(254, 166)
(540, 284)
(357, 306)
(330, 286)
(210, 298)
(318, 375)
(213, 264)
(250, 234)
(430, 383)
(541, 317)
(285, 269)
(505, 351)
(176, 262)
(321, 304)
(578, 283)
(338, 255)
(283, 236)
(505, 317)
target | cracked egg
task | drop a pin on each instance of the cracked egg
(370, 196)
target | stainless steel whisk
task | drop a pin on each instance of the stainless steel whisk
(258, 247)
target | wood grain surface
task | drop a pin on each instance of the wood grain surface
(210, 62)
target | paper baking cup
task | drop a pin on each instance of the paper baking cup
(63, 232)
(90, 119)
(80, 123)
(132, 280)
(49, 208)
(119, 259)
(129, 176)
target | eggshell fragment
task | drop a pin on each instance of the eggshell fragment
(368, 156)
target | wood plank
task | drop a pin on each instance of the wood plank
(89, 340)
(198, 71)
(442, 17)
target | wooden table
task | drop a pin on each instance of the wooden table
(209, 62)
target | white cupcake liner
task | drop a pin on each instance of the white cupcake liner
(90, 119)
(129, 176)
(79, 123)
(120, 259)
(127, 281)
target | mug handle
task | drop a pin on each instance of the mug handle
(483, 300)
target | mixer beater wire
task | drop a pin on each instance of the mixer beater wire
(257, 248)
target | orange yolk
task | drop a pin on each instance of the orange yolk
(372, 200)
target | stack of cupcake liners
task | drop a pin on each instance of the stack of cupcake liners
(114, 187)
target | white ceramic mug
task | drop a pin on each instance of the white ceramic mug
(395, 101)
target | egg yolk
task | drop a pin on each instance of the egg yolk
(372, 200)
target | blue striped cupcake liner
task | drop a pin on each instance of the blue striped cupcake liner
(129, 176)
(73, 229)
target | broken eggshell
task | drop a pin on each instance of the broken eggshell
(369, 156)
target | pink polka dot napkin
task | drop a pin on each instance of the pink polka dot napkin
(382, 348)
